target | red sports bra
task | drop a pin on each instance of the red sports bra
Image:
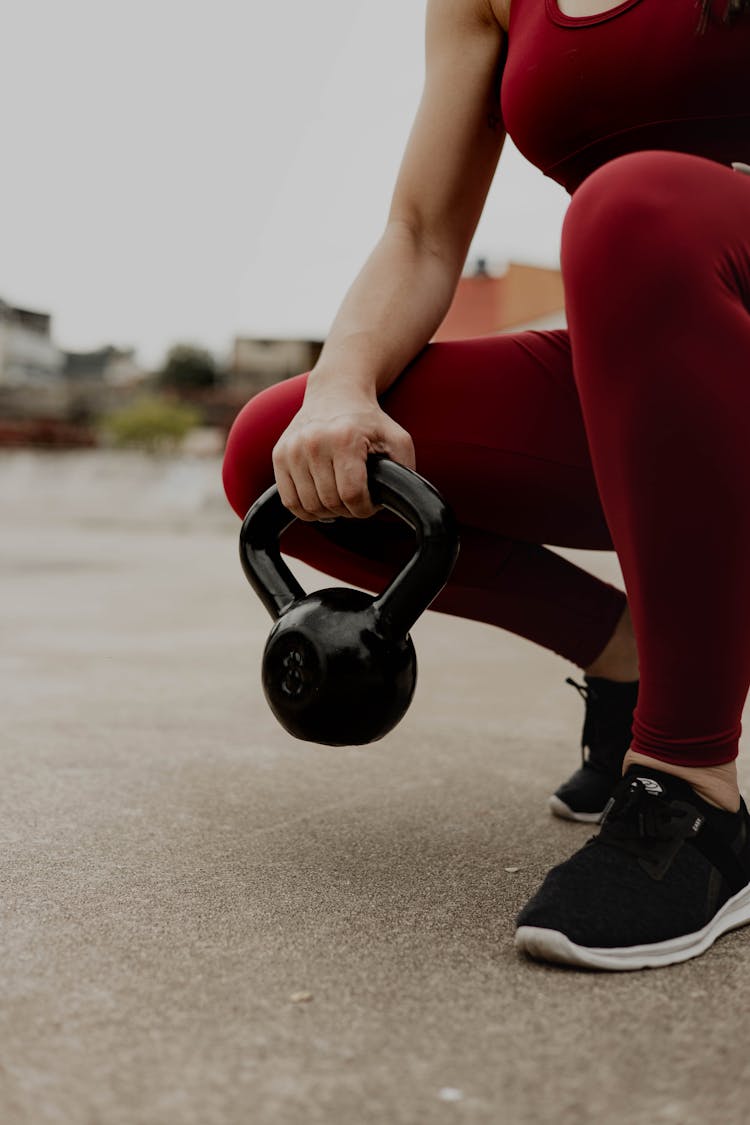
(578, 91)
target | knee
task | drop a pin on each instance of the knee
(631, 212)
(248, 470)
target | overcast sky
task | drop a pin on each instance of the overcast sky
(184, 171)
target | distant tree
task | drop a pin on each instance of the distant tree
(188, 368)
(151, 423)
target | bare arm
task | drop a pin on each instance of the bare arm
(406, 285)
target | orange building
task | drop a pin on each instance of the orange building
(522, 297)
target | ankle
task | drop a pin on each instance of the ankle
(619, 671)
(715, 784)
(619, 659)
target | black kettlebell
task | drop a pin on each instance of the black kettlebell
(339, 667)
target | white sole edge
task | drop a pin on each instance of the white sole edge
(559, 808)
(552, 945)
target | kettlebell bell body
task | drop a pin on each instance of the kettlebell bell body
(331, 676)
(339, 667)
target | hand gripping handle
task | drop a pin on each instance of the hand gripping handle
(401, 491)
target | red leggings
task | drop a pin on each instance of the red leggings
(630, 431)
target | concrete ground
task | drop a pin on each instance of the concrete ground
(176, 870)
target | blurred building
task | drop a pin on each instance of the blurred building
(515, 299)
(257, 364)
(27, 353)
(114, 366)
(31, 365)
(99, 381)
(39, 382)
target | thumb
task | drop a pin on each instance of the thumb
(398, 444)
(407, 455)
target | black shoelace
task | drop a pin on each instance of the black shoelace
(606, 727)
(648, 826)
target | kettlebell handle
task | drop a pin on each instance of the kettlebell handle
(401, 491)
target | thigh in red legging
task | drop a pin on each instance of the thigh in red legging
(497, 429)
(656, 266)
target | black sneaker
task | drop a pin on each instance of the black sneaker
(666, 876)
(607, 733)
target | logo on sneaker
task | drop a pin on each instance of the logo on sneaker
(651, 786)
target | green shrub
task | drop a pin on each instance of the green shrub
(151, 423)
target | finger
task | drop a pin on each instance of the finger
(324, 478)
(401, 442)
(351, 482)
(312, 506)
(288, 493)
(296, 487)
(397, 443)
(405, 452)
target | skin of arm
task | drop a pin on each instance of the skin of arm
(405, 287)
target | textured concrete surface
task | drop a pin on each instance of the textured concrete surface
(175, 869)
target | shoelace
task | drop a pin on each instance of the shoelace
(653, 828)
(648, 826)
(632, 809)
(589, 726)
(606, 728)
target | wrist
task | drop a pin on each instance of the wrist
(343, 382)
(358, 360)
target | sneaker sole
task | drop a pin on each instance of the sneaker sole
(559, 808)
(552, 945)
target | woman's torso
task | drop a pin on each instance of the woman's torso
(595, 80)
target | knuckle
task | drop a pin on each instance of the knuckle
(353, 494)
(292, 503)
(329, 500)
(348, 433)
(359, 504)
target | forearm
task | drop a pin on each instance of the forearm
(391, 311)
